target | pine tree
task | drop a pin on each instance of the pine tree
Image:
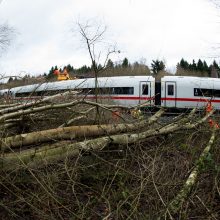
(200, 66)
(51, 73)
(205, 66)
(194, 67)
(125, 63)
(216, 65)
(184, 64)
(215, 70)
(69, 68)
(157, 66)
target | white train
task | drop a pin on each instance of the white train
(171, 91)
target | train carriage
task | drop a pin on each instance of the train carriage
(125, 90)
(189, 92)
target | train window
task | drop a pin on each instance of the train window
(170, 90)
(131, 90)
(123, 90)
(38, 93)
(105, 91)
(93, 91)
(204, 92)
(217, 93)
(144, 89)
(24, 94)
(110, 90)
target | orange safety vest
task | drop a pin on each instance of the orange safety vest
(212, 123)
(209, 107)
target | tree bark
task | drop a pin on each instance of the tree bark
(8, 105)
(73, 132)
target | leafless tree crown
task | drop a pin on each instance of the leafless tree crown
(6, 34)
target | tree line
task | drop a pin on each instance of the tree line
(183, 67)
(157, 68)
(110, 67)
(200, 68)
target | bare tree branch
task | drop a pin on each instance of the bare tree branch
(6, 35)
(73, 132)
(92, 35)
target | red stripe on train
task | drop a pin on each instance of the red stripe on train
(189, 100)
(135, 98)
(93, 97)
(122, 97)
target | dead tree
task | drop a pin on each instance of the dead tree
(92, 36)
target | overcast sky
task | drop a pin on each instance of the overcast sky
(142, 30)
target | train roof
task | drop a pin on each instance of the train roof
(189, 78)
(81, 83)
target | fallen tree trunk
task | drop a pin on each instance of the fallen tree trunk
(184, 193)
(38, 157)
(36, 109)
(36, 102)
(8, 105)
(34, 157)
(23, 111)
(202, 120)
(73, 132)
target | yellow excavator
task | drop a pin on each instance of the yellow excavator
(63, 75)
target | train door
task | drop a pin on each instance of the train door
(157, 93)
(145, 92)
(170, 94)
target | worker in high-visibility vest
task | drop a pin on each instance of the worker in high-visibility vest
(62, 75)
(211, 122)
(209, 107)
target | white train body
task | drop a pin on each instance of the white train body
(172, 91)
(189, 92)
(125, 90)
